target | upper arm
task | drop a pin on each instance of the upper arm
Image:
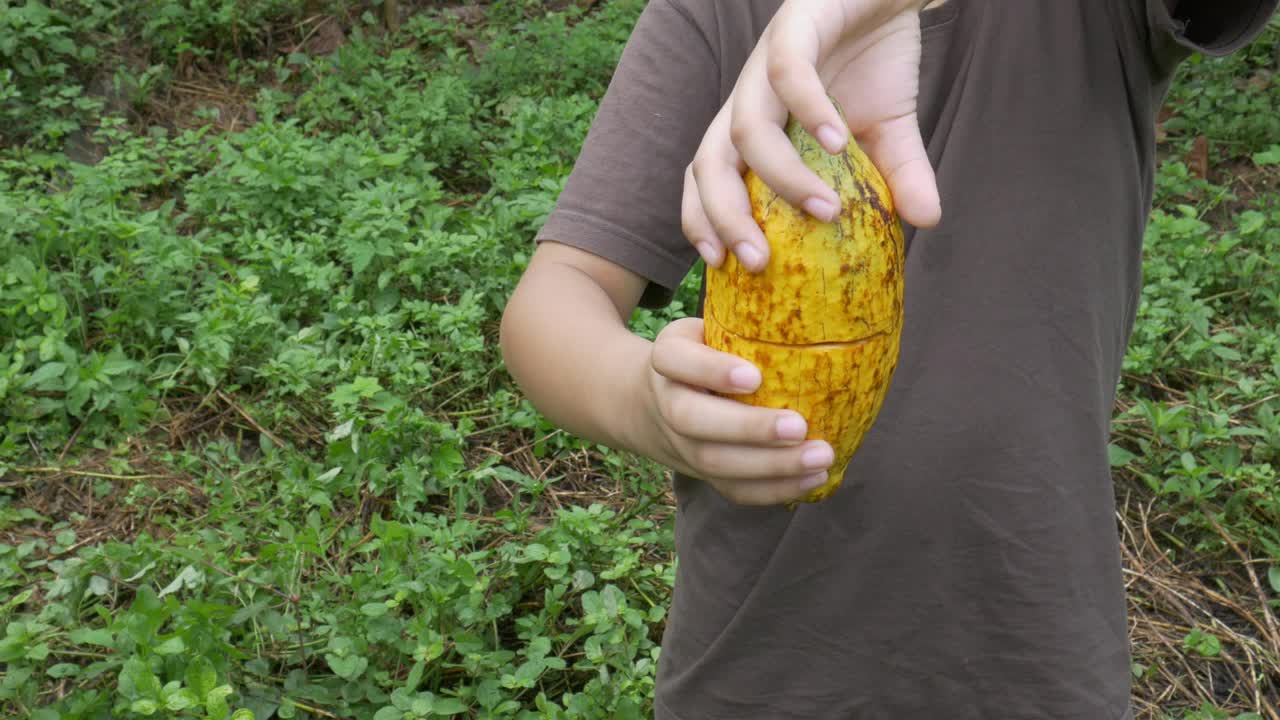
(621, 203)
(622, 286)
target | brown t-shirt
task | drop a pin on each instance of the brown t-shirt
(969, 567)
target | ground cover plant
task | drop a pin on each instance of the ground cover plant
(259, 457)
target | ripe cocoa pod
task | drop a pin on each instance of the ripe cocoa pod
(823, 320)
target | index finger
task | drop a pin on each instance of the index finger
(758, 131)
(794, 46)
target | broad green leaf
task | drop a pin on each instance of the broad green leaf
(172, 646)
(415, 675)
(377, 609)
(63, 670)
(181, 700)
(137, 681)
(99, 585)
(1270, 156)
(215, 703)
(44, 374)
(447, 706)
(190, 577)
(200, 676)
(86, 636)
(347, 668)
(1188, 461)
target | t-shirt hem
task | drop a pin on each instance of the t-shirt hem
(664, 711)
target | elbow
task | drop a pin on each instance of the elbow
(507, 333)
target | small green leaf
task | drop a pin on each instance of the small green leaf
(189, 577)
(200, 676)
(137, 682)
(44, 374)
(63, 670)
(1202, 643)
(172, 646)
(38, 652)
(215, 703)
(1273, 575)
(341, 432)
(1270, 156)
(145, 707)
(415, 676)
(85, 636)
(181, 700)
(389, 712)
(99, 585)
(347, 668)
(447, 706)
(1188, 461)
(242, 714)
(377, 609)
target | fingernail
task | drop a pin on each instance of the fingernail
(745, 377)
(820, 209)
(707, 252)
(750, 256)
(831, 138)
(813, 481)
(819, 456)
(790, 427)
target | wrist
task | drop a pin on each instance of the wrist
(631, 409)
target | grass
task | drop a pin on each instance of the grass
(259, 457)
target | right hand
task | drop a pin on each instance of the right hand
(750, 455)
(865, 54)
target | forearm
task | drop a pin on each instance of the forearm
(566, 344)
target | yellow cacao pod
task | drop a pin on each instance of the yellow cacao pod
(823, 320)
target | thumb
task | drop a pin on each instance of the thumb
(896, 148)
(687, 329)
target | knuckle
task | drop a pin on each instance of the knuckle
(703, 457)
(740, 132)
(786, 463)
(699, 167)
(660, 357)
(763, 427)
(680, 414)
(777, 68)
(666, 406)
(689, 225)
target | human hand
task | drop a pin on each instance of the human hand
(865, 54)
(750, 455)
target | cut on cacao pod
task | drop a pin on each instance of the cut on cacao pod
(823, 320)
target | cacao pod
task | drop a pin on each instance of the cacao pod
(823, 320)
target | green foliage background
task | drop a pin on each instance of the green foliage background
(259, 455)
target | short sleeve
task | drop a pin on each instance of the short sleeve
(1211, 27)
(622, 199)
